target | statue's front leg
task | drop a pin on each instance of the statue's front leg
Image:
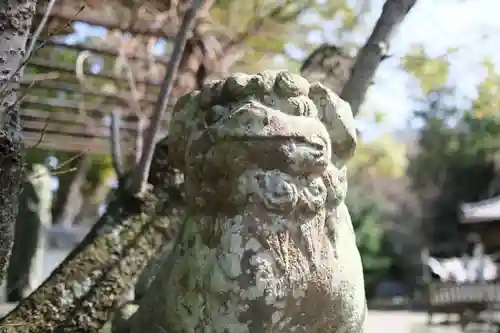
(347, 279)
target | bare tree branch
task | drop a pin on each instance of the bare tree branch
(120, 63)
(141, 126)
(373, 52)
(116, 154)
(123, 63)
(140, 175)
(39, 29)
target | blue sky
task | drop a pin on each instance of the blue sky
(472, 25)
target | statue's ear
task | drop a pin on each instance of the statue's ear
(337, 116)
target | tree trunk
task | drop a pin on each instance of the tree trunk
(82, 292)
(15, 23)
(25, 268)
(374, 51)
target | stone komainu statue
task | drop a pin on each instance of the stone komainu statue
(267, 244)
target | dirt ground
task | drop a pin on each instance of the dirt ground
(400, 322)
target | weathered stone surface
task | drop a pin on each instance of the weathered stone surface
(25, 269)
(149, 273)
(119, 323)
(267, 244)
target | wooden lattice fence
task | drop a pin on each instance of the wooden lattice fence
(60, 111)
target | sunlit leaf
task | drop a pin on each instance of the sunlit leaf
(432, 73)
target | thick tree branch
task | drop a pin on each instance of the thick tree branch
(81, 293)
(373, 52)
(142, 170)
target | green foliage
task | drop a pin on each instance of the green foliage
(100, 171)
(432, 73)
(274, 25)
(454, 163)
(488, 102)
(368, 222)
(382, 157)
